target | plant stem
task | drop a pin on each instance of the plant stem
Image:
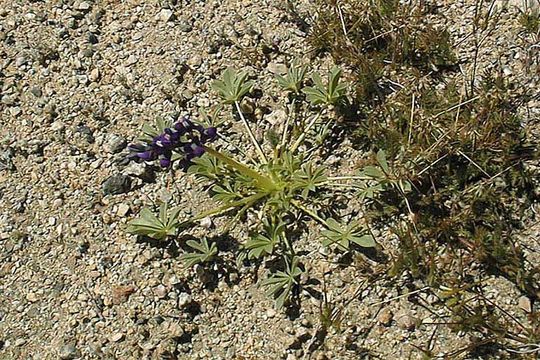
(309, 212)
(306, 130)
(250, 133)
(352, 177)
(286, 128)
(265, 182)
(249, 200)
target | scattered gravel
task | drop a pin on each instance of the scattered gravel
(78, 80)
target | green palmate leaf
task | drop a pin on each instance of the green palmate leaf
(157, 227)
(293, 80)
(317, 80)
(314, 95)
(368, 190)
(204, 252)
(364, 240)
(259, 245)
(233, 86)
(264, 244)
(333, 82)
(212, 118)
(373, 172)
(343, 235)
(227, 192)
(281, 284)
(151, 131)
(206, 166)
(329, 94)
(308, 178)
(381, 159)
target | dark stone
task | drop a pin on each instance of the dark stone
(68, 352)
(6, 159)
(86, 132)
(36, 91)
(117, 184)
(92, 38)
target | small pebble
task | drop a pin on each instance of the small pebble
(385, 317)
(525, 304)
(68, 352)
(117, 337)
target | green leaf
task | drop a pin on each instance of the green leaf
(157, 227)
(343, 235)
(317, 80)
(381, 159)
(335, 73)
(281, 284)
(329, 94)
(204, 252)
(233, 86)
(364, 240)
(373, 172)
(293, 80)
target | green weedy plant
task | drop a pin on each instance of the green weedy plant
(157, 227)
(292, 81)
(330, 93)
(279, 184)
(203, 252)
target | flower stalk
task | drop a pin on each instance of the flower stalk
(250, 133)
(265, 182)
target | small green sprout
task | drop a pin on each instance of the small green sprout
(157, 227)
(344, 235)
(293, 80)
(203, 252)
(281, 284)
(329, 94)
(262, 244)
(233, 86)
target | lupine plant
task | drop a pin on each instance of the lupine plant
(281, 182)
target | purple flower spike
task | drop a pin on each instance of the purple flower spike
(165, 162)
(147, 155)
(197, 150)
(209, 134)
(184, 137)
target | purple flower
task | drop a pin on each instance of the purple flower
(184, 137)
(165, 162)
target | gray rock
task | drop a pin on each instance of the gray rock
(116, 184)
(276, 68)
(92, 38)
(161, 291)
(94, 75)
(87, 133)
(117, 337)
(6, 159)
(184, 299)
(278, 116)
(406, 321)
(132, 59)
(20, 61)
(15, 111)
(115, 144)
(83, 6)
(68, 352)
(36, 91)
(166, 15)
(185, 26)
(140, 170)
(57, 126)
(525, 304)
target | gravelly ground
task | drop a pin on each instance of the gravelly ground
(78, 80)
